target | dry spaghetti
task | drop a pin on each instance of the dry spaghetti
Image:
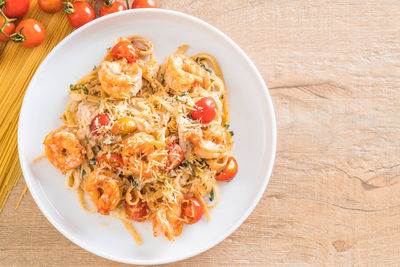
(17, 67)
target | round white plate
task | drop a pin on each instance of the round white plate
(252, 120)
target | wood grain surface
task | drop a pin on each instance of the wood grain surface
(333, 70)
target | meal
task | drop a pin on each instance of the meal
(147, 141)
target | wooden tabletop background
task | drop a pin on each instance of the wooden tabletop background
(333, 71)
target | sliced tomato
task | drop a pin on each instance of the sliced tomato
(205, 110)
(125, 49)
(139, 212)
(112, 159)
(229, 171)
(98, 122)
(192, 210)
(175, 155)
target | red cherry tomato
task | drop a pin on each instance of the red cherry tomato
(115, 7)
(112, 159)
(205, 110)
(50, 6)
(33, 31)
(144, 4)
(175, 155)
(125, 49)
(192, 210)
(82, 13)
(139, 212)
(16, 8)
(229, 171)
(98, 122)
(9, 29)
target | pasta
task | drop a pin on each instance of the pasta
(17, 67)
(146, 141)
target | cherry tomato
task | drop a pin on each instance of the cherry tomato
(112, 159)
(144, 4)
(125, 49)
(9, 29)
(16, 8)
(50, 6)
(175, 155)
(139, 212)
(192, 210)
(82, 13)
(229, 171)
(124, 126)
(115, 7)
(98, 122)
(205, 110)
(33, 31)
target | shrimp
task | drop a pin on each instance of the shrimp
(182, 73)
(103, 190)
(144, 155)
(212, 143)
(120, 79)
(168, 221)
(63, 149)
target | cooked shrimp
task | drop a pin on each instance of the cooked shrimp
(63, 149)
(144, 155)
(212, 143)
(168, 221)
(120, 79)
(103, 190)
(182, 73)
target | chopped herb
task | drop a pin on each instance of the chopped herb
(211, 195)
(92, 161)
(79, 87)
(231, 133)
(226, 126)
(178, 97)
(198, 61)
(134, 183)
(83, 174)
(185, 163)
(222, 97)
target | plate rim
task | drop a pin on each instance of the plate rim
(268, 168)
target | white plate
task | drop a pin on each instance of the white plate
(252, 120)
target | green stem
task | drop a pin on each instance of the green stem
(127, 4)
(6, 21)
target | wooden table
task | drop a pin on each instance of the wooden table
(333, 70)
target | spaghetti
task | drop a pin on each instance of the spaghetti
(17, 67)
(145, 141)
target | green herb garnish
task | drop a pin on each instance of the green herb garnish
(134, 183)
(198, 61)
(83, 174)
(79, 87)
(211, 195)
(231, 133)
